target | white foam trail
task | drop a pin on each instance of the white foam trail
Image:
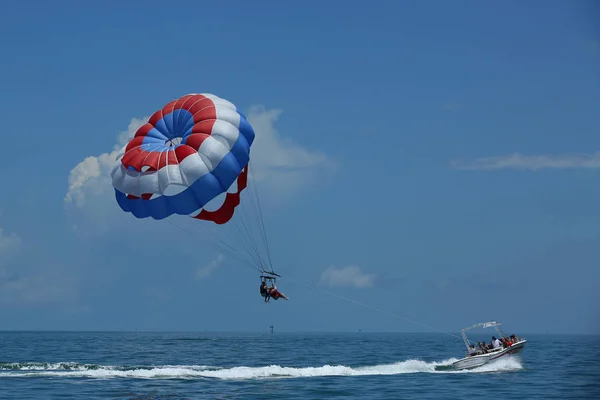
(241, 373)
(501, 365)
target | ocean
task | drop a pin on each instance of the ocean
(360, 365)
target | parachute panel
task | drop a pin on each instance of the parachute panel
(232, 200)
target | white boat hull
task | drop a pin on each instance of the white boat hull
(482, 359)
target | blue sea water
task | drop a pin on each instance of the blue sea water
(200, 365)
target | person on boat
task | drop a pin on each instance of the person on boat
(472, 350)
(264, 291)
(482, 346)
(496, 343)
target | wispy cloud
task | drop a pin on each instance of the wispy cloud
(346, 276)
(210, 268)
(279, 160)
(91, 177)
(531, 162)
(10, 241)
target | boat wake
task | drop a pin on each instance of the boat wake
(75, 370)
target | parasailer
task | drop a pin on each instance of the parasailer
(194, 150)
(269, 290)
(276, 294)
(264, 291)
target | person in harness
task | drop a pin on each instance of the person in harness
(264, 291)
(276, 294)
(270, 292)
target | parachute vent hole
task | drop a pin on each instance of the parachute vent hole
(174, 141)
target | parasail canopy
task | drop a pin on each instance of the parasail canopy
(189, 152)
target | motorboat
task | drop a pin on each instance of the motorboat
(478, 356)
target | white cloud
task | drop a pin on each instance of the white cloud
(9, 241)
(531, 162)
(278, 159)
(92, 175)
(210, 268)
(346, 276)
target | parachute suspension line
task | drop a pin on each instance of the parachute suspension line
(247, 258)
(222, 246)
(240, 228)
(262, 223)
(372, 308)
(230, 230)
(245, 218)
(244, 240)
(244, 226)
(238, 237)
(245, 231)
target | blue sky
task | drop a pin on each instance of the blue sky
(435, 160)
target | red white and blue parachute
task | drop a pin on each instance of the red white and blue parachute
(188, 153)
(191, 154)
